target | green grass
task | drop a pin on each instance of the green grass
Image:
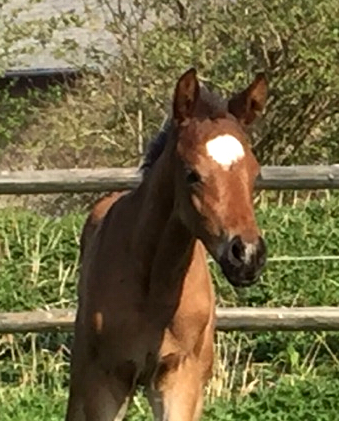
(288, 400)
(267, 376)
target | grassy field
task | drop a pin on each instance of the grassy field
(267, 376)
(288, 401)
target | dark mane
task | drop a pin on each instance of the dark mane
(212, 104)
(156, 146)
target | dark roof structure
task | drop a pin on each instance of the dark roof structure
(20, 81)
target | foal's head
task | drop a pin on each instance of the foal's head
(215, 172)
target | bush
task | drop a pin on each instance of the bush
(107, 119)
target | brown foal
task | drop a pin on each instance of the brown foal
(146, 302)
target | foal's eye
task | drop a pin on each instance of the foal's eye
(192, 177)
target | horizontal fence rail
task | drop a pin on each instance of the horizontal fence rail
(116, 179)
(246, 319)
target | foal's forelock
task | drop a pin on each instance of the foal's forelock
(214, 103)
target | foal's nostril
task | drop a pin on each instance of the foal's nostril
(236, 251)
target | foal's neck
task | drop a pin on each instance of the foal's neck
(166, 244)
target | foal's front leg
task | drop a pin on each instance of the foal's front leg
(97, 395)
(178, 389)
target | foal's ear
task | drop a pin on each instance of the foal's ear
(186, 95)
(246, 105)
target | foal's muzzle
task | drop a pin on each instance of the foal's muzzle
(242, 263)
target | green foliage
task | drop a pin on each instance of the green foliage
(106, 120)
(17, 114)
(33, 404)
(289, 400)
(230, 41)
(39, 256)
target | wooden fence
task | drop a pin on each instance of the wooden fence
(99, 180)
(228, 319)
(244, 319)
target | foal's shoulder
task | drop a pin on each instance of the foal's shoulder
(96, 216)
(101, 207)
